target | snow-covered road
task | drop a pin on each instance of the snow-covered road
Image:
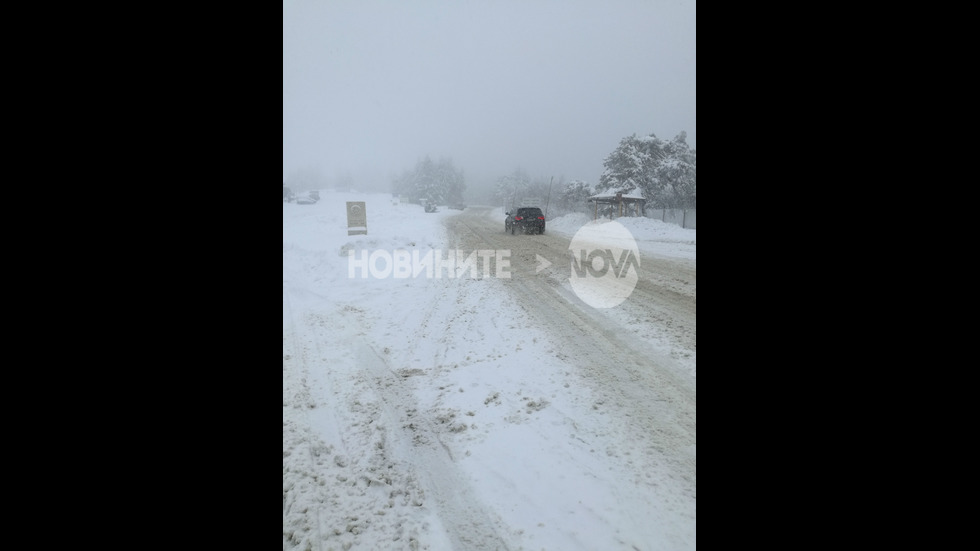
(468, 413)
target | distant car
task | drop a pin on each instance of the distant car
(525, 220)
(305, 199)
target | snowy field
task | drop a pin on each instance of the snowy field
(423, 413)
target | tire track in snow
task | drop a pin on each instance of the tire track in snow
(296, 496)
(647, 388)
(418, 441)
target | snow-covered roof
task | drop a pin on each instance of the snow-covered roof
(613, 196)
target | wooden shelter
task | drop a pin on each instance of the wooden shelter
(615, 205)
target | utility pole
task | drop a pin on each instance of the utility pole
(548, 201)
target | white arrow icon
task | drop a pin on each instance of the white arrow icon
(542, 263)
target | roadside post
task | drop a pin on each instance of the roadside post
(356, 218)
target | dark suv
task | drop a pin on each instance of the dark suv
(525, 219)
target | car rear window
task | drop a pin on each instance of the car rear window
(529, 212)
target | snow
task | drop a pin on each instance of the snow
(614, 195)
(653, 237)
(419, 413)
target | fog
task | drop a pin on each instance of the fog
(549, 87)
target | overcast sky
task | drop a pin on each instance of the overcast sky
(547, 86)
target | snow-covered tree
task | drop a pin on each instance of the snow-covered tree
(664, 172)
(518, 187)
(451, 182)
(573, 197)
(680, 169)
(625, 167)
(511, 188)
(431, 182)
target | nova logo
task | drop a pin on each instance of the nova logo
(605, 264)
(585, 265)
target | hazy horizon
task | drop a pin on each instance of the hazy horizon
(550, 87)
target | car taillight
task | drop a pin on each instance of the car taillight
(518, 218)
(541, 218)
